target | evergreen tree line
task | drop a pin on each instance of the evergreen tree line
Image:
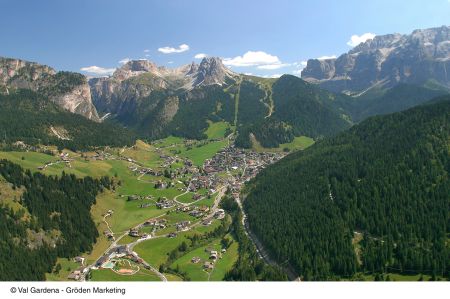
(249, 266)
(27, 116)
(386, 178)
(299, 108)
(55, 204)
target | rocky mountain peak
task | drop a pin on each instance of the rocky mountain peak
(134, 68)
(386, 60)
(22, 73)
(211, 71)
(75, 97)
(191, 69)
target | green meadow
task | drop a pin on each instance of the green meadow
(109, 275)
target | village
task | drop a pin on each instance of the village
(226, 170)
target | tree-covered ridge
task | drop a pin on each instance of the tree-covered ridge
(274, 111)
(61, 83)
(28, 116)
(299, 108)
(381, 101)
(197, 107)
(249, 266)
(386, 178)
(55, 203)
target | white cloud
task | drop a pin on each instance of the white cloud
(200, 56)
(146, 51)
(248, 74)
(169, 50)
(326, 57)
(98, 70)
(273, 66)
(357, 39)
(170, 62)
(252, 58)
(125, 60)
(273, 76)
(300, 66)
(147, 55)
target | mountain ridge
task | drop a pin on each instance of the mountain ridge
(386, 60)
(68, 90)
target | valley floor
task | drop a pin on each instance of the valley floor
(165, 194)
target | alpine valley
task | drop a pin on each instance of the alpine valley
(199, 173)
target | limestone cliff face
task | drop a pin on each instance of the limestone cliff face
(386, 61)
(78, 101)
(68, 90)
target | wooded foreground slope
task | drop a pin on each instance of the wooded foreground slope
(387, 179)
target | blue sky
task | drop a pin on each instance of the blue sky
(259, 37)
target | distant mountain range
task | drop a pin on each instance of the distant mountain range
(157, 101)
(386, 61)
(387, 74)
(137, 79)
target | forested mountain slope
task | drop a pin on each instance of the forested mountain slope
(157, 102)
(384, 101)
(384, 184)
(298, 108)
(31, 118)
(53, 221)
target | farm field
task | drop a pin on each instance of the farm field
(227, 261)
(155, 251)
(109, 275)
(199, 154)
(195, 271)
(217, 130)
(299, 143)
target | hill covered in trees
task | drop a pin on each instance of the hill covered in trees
(297, 108)
(381, 101)
(158, 101)
(373, 199)
(58, 210)
(30, 117)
